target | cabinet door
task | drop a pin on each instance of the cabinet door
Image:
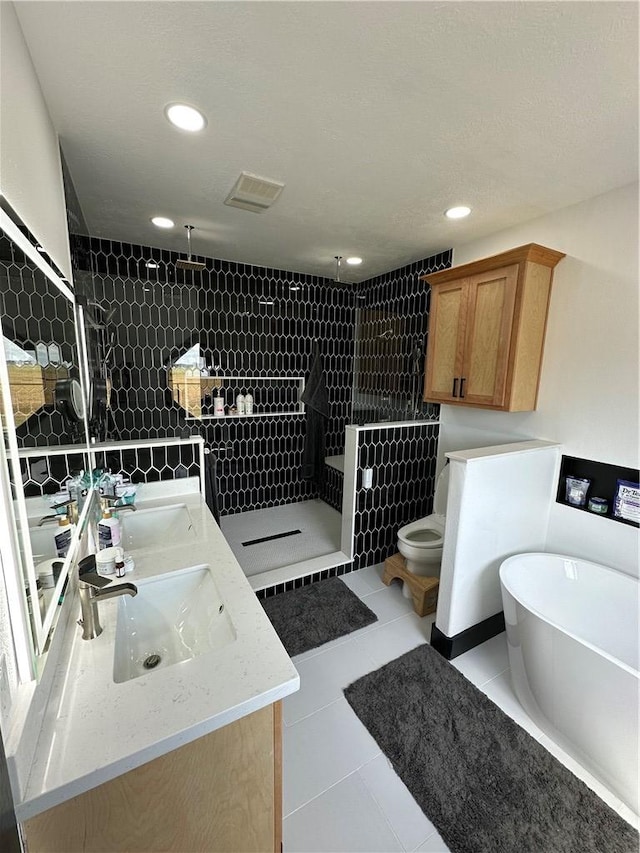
(220, 793)
(446, 341)
(489, 327)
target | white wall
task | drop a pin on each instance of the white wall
(30, 170)
(31, 180)
(588, 399)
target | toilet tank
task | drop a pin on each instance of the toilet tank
(442, 492)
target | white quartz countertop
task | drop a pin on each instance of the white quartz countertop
(94, 729)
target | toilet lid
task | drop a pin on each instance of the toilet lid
(442, 492)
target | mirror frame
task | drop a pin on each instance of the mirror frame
(21, 553)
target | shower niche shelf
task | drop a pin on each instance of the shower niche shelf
(273, 396)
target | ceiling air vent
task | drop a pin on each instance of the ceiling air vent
(252, 192)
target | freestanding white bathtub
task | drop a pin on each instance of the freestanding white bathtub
(572, 634)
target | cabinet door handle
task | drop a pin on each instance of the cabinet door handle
(455, 387)
(462, 381)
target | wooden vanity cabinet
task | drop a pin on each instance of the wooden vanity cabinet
(487, 324)
(220, 793)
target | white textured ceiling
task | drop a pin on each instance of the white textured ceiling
(376, 115)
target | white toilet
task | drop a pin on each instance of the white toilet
(420, 542)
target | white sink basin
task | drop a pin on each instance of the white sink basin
(152, 528)
(42, 542)
(176, 617)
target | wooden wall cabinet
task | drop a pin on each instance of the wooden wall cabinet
(32, 387)
(487, 324)
(27, 391)
(217, 794)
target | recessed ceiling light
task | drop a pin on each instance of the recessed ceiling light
(457, 212)
(152, 265)
(185, 117)
(354, 261)
(162, 222)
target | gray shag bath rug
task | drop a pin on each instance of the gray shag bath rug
(312, 615)
(485, 784)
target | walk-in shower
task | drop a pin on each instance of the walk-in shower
(256, 331)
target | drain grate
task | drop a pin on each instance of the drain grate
(271, 538)
(152, 661)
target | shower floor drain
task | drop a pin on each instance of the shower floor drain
(270, 538)
(151, 662)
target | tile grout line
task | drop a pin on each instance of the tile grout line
(315, 711)
(481, 684)
(342, 689)
(333, 785)
(375, 799)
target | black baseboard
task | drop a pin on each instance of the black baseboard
(451, 647)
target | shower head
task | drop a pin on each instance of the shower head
(389, 332)
(107, 314)
(188, 264)
(384, 336)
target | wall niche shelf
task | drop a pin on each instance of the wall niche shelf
(244, 417)
(273, 396)
(603, 476)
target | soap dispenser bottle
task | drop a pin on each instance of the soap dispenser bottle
(248, 404)
(62, 536)
(108, 531)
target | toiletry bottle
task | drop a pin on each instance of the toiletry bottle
(218, 405)
(62, 536)
(73, 485)
(120, 570)
(105, 485)
(108, 531)
(248, 404)
(80, 489)
(240, 404)
(45, 574)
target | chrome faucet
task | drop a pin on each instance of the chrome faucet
(72, 512)
(94, 588)
(107, 501)
(46, 518)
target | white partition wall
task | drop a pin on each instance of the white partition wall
(498, 505)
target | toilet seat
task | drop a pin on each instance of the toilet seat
(426, 533)
(421, 542)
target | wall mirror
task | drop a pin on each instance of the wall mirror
(43, 377)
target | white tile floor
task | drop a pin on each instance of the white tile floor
(319, 524)
(339, 791)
